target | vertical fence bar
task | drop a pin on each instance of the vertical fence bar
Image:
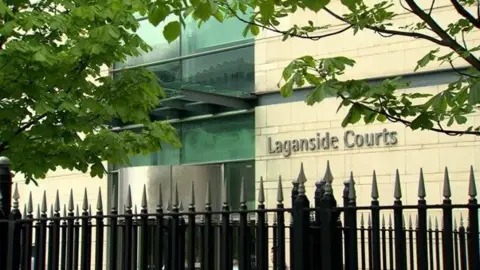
(127, 233)
(86, 241)
(370, 242)
(191, 230)
(243, 231)
(391, 264)
(174, 233)
(384, 243)
(54, 263)
(430, 243)
(208, 232)
(14, 234)
(280, 250)
(329, 225)
(99, 237)
(352, 255)
(447, 232)
(319, 192)
(422, 245)
(346, 219)
(5, 196)
(455, 244)
(473, 236)
(50, 240)
(437, 245)
(262, 245)
(181, 239)
(42, 239)
(144, 232)
(376, 257)
(301, 225)
(113, 241)
(400, 241)
(362, 243)
(76, 241)
(462, 244)
(159, 231)
(70, 233)
(225, 233)
(294, 194)
(28, 235)
(135, 226)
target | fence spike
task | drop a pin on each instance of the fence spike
(369, 220)
(51, 210)
(114, 201)
(261, 192)
(243, 200)
(275, 219)
(208, 197)
(447, 192)
(410, 225)
(176, 201)
(352, 194)
(99, 200)
(169, 206)
(180, 206)
(44, 208)
(57, 202)
(128, 206)
(38, 211)
(403, 220)
(397, 192)
(416, 221)
(144, 197)
(77, 211)
(85, 201)
(328, 178)
(362, 222)
(383, 220)
(192, 196)
(472, 188)
(224, 192)
(71, 207)
(90, 210)
(436, 223)
(461, 220)
(30, 204)
(390, 221)
(160, 197)
(301, 179)
(421, 186)
(16, 197)
(135, 212)
(374, 187)
(430, 222)
(64, 210)
(280, 190)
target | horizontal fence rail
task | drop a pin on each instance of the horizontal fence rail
(309, 235)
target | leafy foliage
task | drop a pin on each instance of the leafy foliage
(54, 101)
(382, 101)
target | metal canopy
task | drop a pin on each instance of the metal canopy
(187, 100)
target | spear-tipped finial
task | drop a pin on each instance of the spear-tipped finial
(129, 205)
(430, 222)
(421, 186)
(328, 178)
(44, 208)
(51, 210)
(243, 199)
(77, 211)
(374, 187)
(301, 179)
(436, 223)
(64, 210)
(455, 225)
(85, 201)
(208, 197)
(472, 188)
(280, 190)
(383, 220)
(261, 193)
(180, 206)
(38, 211)
(30, 204)
(99, 200)
(369, 222)
(461, 220)
(16, 197)
(352, 194)
(362, 222)
(169, 206)
(410, 221)
(24, 213)
(160, 197)
(57, 202)
(192, 196)
(403, 220)
(176, 199)
(114, 199)
(447, 192)
(397, 192)
(144, 197)
(71, 207)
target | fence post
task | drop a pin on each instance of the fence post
(352, 255)
(422, 240)
(14, 231)
(5, 204)
(473, 245)
(329, 228)
(400, 243)
(346, 219)
(301, 226)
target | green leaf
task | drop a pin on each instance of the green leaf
(267, 8)
(474, 94)
(255, 30)
(316, 5)
(172, 31)
(158, 14)
(350, 4)
(381, 118)
(287, 89)
(460, 119)
(203, 10)
(4, 9)
(431, 55)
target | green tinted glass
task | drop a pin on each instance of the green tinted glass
(234, 173)
(219, 139)
(220, 34)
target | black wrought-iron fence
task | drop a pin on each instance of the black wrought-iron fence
(310, 235)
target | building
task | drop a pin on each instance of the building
(230, 117)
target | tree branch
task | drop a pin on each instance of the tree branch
(446, 38)
(391, 32)
(407, 123)
(462, 11)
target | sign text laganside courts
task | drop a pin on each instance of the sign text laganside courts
(326, 141)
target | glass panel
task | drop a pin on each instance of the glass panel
(217, 140)
(170, 75)
(234, 173)
(153, 36)
(231, 72)
(219, 34)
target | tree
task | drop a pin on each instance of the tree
(54, 101)
(380, 102)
